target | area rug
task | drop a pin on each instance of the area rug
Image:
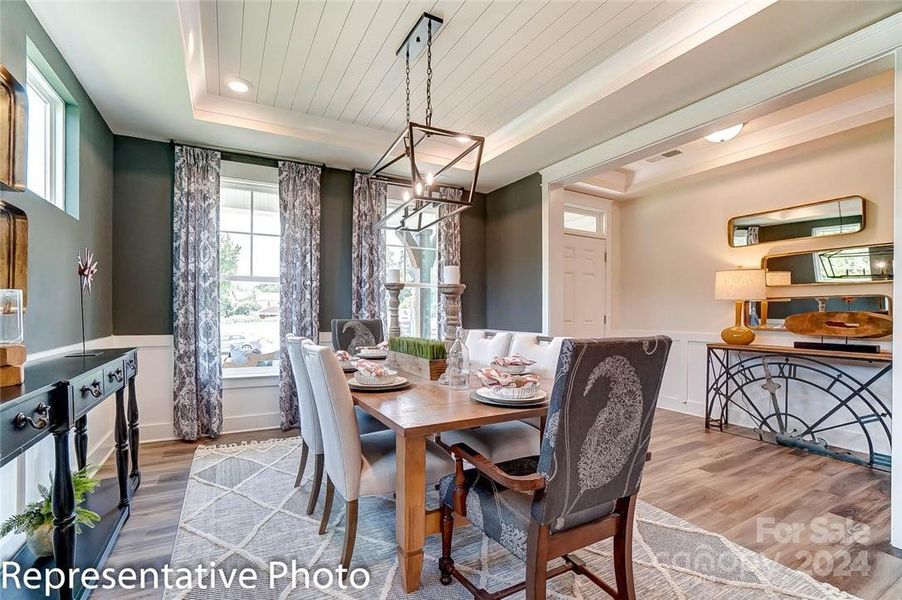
(241, 510)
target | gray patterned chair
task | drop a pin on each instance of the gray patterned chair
(582, 486)
(350, 334)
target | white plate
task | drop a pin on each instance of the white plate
(509, 403)
(488, 394)
(398, 383)
(372, 356)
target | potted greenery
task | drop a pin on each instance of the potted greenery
(36, 521)
(422, 357)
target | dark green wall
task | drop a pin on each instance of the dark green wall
(55, 237)
(336, 200)
(472, 263)
(513, 256)
(142, 244)
(143, 221)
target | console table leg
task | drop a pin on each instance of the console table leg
(63, 505)
(133, 432)
(81, 441)
(121, 449)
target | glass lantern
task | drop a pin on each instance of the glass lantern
(11, 321)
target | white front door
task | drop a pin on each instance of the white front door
(584, 286)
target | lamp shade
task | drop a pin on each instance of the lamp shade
(740, 284)
(778, 278)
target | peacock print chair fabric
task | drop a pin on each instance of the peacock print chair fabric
(351, 334)
(593, 449)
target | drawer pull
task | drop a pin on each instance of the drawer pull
(95, 389)
(41, 410)
(116, 376)
(130, 364)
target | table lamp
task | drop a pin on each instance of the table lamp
(739, 285)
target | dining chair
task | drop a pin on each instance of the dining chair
(539, 348)
(311, 433)
(356, 465)
(582, 487)
(351, 334)
(484, 346)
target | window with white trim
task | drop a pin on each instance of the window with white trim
(46, 146)
(249, 237)
(415, 254)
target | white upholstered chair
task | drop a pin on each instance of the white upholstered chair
(485, 345)
(311, 435)
(356, 465)
(544, 350)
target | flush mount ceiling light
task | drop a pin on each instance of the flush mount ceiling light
(415, 160)
(725, 135)
(238, 85)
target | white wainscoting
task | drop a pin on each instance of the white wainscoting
(683, 388)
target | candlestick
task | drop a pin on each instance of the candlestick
(451, 293)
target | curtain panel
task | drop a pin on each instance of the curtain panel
(448, 244)
(299, 207)
(367, 248)
(197, 379)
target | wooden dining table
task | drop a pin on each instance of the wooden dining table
(421, 410)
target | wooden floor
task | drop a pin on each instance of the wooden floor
(741, 488)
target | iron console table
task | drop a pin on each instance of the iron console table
(55, 398)
(769, 385)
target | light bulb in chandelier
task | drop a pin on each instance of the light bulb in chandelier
(430, 178)
(419, 188)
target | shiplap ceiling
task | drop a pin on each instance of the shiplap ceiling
(492, 59)
(541, 80)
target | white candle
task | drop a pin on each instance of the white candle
(393, 276)
(451, 274)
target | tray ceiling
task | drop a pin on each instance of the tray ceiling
(541, 80)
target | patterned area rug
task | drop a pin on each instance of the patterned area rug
(241, 510)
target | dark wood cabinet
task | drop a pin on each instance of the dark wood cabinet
(54, 400)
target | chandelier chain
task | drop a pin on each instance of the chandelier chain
(408, 82)
(429, 77)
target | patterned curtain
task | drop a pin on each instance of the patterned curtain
(448, 244)
(367, 248)
(299, 207)
(195, 294)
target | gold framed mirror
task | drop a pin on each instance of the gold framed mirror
(838, 216)
(768, 315)
(13, 105)
(830, 266)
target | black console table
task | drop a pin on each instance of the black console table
(770, 386)
(56, 397)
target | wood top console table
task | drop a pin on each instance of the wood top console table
(791, 396)
(55, 398)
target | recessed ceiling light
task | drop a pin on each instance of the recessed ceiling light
(725, 135)
(237, 85)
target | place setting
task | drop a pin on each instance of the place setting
(377, 352)
(374, 377)
(509, 390)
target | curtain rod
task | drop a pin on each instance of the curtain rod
(245, 154)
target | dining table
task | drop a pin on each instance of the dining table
(425, 409)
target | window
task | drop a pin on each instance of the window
(416, 256)
(249, 232)
(46, 160)
(584, 221)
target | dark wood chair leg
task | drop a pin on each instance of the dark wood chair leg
(623, 551)
(536, 561)
(446, 563)
(350, 536)
(327, 505)
(317, 482)
(304, 450)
